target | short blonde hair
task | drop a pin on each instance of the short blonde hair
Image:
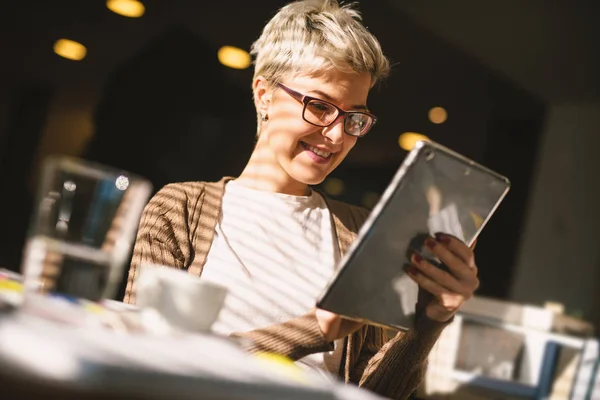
(309, 37)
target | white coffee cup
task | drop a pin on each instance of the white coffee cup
(183, 300)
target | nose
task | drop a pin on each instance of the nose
(335, 132)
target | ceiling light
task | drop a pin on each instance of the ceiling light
(334, 186)
(234, 57)
(408, 140)
(70, 49)
(438, 115)
(370, 199)
(126, 8)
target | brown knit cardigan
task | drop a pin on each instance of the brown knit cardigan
(177, 229)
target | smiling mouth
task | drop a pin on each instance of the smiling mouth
(321, 153)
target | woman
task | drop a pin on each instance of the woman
(274, 242)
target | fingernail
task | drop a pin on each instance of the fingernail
(409, 269)
(442, 238)
(417, 258)
(430, 243)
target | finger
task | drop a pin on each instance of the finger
(429, 285)
(457, 247)
(457, 266)
(450, 302)
(454, 264)
(438, 275)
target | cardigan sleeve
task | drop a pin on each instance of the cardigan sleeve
(294, 339)
(163, 234)
(397, 368)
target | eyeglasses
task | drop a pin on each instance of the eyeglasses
(323, 113)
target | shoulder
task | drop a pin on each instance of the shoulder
(189, 193)
(184, 200)
(178, 193)
(350, 215)
(175, 198)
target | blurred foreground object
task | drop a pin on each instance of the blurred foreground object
(82, 230)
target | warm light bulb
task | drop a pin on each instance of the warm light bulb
(438, 115)
(234, 57)
(370, 199)
(408, 140)
(70, 49)
(126, 8)
(334, 186)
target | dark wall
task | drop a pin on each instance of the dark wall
(171, 115)
(25, 125)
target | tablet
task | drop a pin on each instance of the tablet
(434, 190)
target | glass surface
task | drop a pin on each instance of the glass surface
(435, 190)
(83, 228)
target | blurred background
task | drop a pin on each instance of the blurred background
(512, 84)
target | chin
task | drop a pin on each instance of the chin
(316, 181)
(309, 177)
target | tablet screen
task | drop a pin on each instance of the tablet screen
(435, 190)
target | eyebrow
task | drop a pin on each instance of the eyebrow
(329, 98)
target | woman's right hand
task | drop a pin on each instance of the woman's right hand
(334, 326)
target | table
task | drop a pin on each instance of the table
(58, 348)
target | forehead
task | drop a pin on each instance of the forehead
(340, 87)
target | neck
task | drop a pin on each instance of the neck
(263, 172)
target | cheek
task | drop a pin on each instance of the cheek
(298, 131)
(286, 139)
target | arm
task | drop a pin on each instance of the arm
(163, 235)
(397, 368)
(295, 338)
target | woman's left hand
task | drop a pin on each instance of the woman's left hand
(448, 289)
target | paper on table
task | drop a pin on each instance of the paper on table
(193, 355)
(192, 366)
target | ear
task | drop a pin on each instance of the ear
(262, 94)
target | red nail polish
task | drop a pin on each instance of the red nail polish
(442, 238)
(417, 258)
(413, 271)
(430, 243)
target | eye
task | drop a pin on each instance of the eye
(358, 120)
(319, 107)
